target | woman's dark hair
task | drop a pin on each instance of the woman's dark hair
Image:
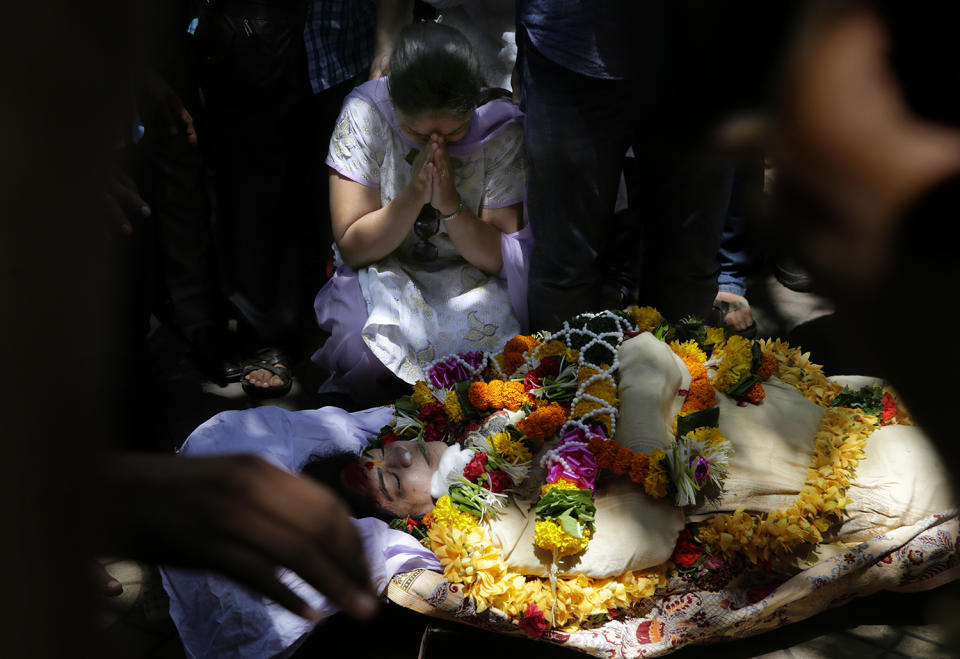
(433, 67)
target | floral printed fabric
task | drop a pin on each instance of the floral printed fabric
(723, 601)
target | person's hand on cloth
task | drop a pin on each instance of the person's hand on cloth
(241, 516)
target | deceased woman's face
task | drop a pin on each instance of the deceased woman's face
(397, 477)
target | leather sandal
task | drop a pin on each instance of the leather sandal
(272, 360)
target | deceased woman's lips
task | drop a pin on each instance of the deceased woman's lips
(355, 477)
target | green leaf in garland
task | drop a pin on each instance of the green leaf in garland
(868, 399)
(460, 498)
(570, 526)
(743, 386)
(690, 422)
(405, 405)
(663, 329)
(757, 356)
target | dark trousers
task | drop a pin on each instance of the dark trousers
(257, 101)
(577, 132)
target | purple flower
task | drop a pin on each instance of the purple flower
(713, 562)
(700, 468)
(450, 371)
(579, 465)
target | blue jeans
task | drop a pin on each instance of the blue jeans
(577, 132)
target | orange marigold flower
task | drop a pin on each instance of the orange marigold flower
(478, 395)
(543, 422)
(427, 519)
(596, 443)
(768, 366)
(514, 349)
(608, 453)
(755, 394)
(513, 396)
(701, 396)
(697, 370)
(622, 462)
(639, 466)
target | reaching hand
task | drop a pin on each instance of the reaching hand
(443, 195)
(241, 516)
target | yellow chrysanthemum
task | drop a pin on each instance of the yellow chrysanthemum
(446, 514)
(451, 405)
(717, 338)
(646, 318)
(509, 448)
(709, 436)
(688, 350)
(735, 363)
(560, 484)
(551, 536)
(422, 396)
(657, 480)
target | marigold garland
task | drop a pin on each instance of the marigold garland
(498, 394)
(466, 550)
(543, 422)
(513, 351)
(838, 449)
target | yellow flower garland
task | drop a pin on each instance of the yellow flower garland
(838, 449)
(471, 558)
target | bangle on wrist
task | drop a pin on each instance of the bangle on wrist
(446, 218)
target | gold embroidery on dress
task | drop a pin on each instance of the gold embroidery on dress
(478, 329)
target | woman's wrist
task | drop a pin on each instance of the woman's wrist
(444, 217)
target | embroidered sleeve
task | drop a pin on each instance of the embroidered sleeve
(505, 165)
(358, 143)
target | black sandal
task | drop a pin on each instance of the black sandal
(274, 361)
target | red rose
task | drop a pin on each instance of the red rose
(686, 553)
(889, 408)
(498, 481)
(477, 466)
(533, 622)
(390, 438)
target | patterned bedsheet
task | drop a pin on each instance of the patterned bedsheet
(721, 600)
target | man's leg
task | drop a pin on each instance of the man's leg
(577, 131)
